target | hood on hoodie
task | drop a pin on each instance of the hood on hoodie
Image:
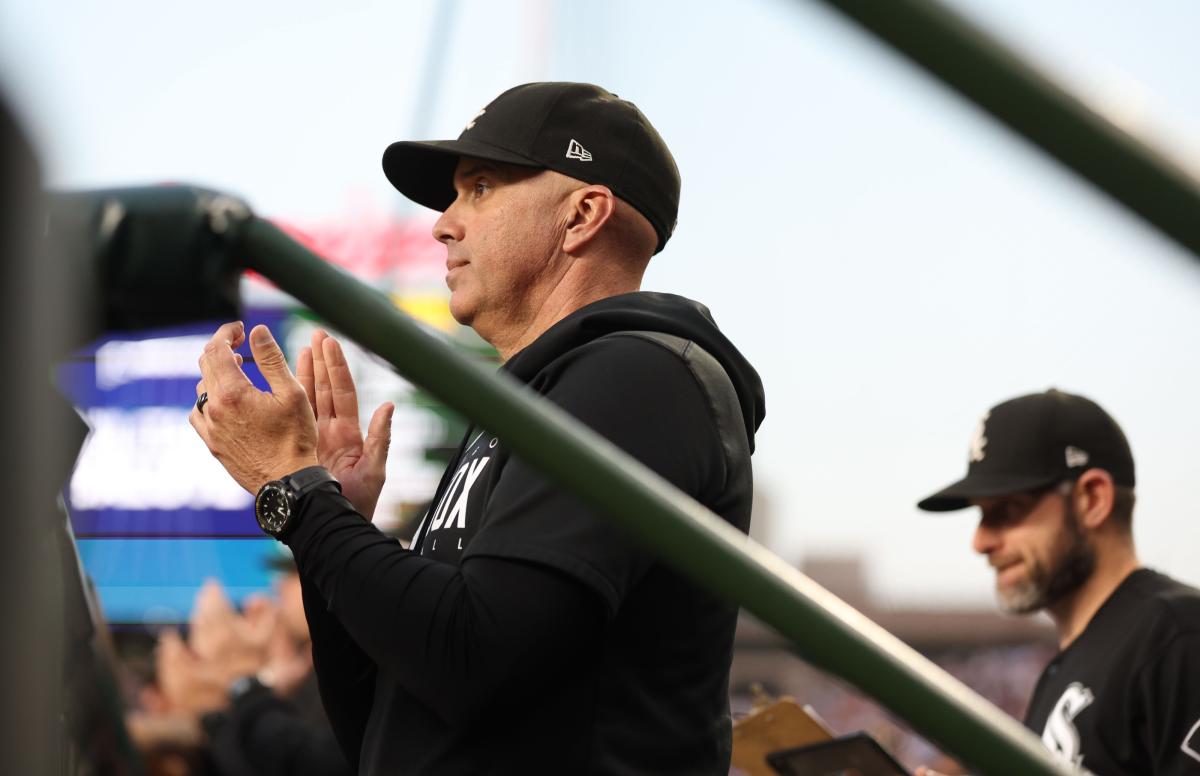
(648, 311)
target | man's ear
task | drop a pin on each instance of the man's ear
(591, 207)
(1093, 495)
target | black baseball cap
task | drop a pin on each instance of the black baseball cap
(577, 129)
(1035, 441)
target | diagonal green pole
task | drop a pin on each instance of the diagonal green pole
(825, 631)
(982, 69)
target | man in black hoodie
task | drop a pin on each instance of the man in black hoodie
(521, 632)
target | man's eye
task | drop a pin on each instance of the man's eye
(481, 188)
(1017, 510)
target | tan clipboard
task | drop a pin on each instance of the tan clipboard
(772, 726)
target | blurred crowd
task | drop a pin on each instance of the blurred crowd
(234, 693)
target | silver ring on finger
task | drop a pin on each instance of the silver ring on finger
(201, 400)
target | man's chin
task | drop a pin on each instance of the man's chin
(461, 310)
(1023, 598)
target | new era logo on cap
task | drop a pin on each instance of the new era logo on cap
(1191, 742)
(1076, 457)
(576, 151)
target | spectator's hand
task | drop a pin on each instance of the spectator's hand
(230, 644)
(358, 464)
(152, 733)
(288, 663)
(923, 771)
(157, 729)
(257, 436)
(188, 683)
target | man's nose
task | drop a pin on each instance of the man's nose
(448, 226)
(986, 538)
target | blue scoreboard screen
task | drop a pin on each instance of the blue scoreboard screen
(153, 513)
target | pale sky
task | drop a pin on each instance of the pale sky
(891, 260)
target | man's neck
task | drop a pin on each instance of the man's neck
(1072, 614)
(565, 298)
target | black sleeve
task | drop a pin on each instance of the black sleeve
(345, 674)
(644, 398)
(1170, 695)
(263, 734)
(451, 637)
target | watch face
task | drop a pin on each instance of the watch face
(273, 507)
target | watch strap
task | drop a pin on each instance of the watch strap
(243, 686)
(309, 478)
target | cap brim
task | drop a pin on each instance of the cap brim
(423, 171)
(958, 495)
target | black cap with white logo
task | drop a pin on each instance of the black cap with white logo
(1035, 441)
(579, 130)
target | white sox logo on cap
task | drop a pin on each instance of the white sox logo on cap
(471, 123)
(979, 440)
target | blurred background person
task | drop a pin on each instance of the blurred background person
(1053, 476)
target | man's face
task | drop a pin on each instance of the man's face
(502, 234)
(1037, 547)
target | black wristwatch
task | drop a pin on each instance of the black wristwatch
(275, 506)
(244, 685)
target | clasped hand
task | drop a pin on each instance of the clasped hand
(307, 418)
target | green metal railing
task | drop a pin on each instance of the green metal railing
(824, 631)
(982, 69)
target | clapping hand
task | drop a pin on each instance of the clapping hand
(358, 463)
(257, 436)
(189, 685)
(195, 676)
(236, 643)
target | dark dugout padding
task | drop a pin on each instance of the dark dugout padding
(31, 614)
(74, 266)
(147, 257)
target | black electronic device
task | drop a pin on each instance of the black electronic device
(853, 755)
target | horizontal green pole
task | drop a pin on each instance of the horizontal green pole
(824, 630)
(978, 66)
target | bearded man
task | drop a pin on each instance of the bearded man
(1053, 477)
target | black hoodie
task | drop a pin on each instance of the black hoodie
(524, 633)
